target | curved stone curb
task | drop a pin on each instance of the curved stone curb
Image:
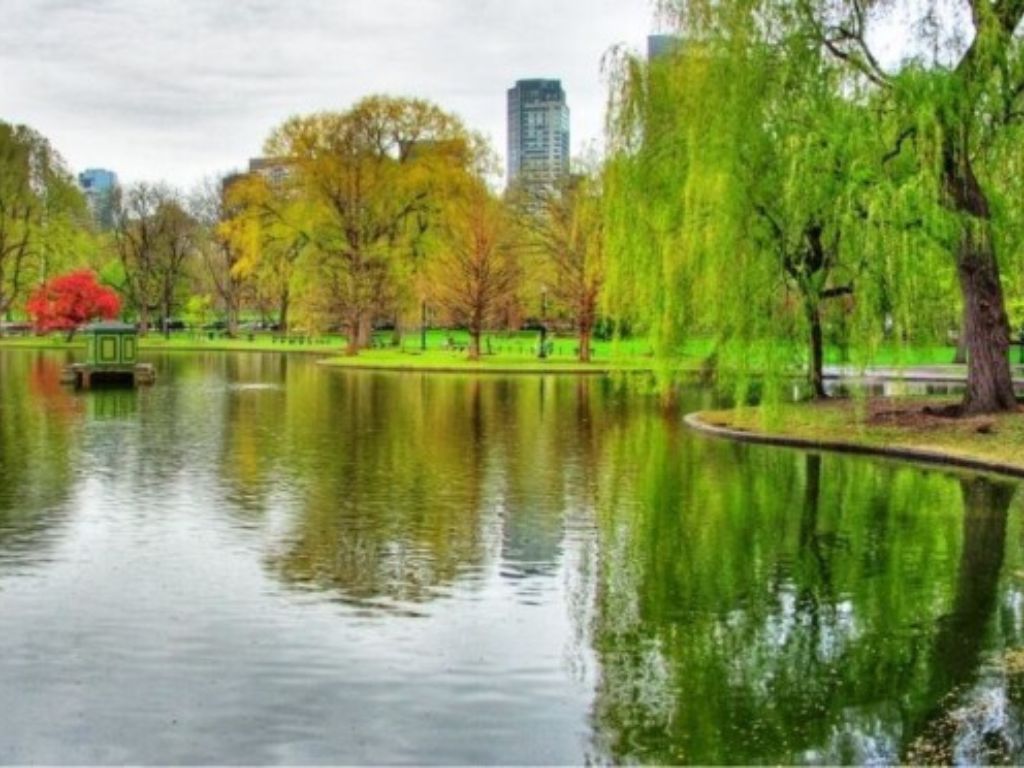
(920, 455)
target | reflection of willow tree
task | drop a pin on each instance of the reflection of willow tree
(756, 605)
(37, 448)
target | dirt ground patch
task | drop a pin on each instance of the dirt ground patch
(925, 416)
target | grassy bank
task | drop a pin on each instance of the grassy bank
(445, 350)
(511, 362)
(885, 425)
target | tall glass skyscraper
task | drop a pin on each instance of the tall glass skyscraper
(538, 133)
(98, 184)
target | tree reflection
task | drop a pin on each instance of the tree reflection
(407, 486)
(38, 443)
(961, 634)
(763, 605)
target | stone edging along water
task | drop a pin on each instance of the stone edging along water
(919, 455)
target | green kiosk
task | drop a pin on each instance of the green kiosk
(111, 344)
(110, 358)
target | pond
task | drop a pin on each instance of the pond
(260, 560)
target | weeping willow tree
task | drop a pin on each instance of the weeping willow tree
(956, 100)
(771, 165)
(742, 162)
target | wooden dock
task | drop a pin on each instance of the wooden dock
(91, 376)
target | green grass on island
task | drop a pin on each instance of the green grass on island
(513, 352)
(445, 350)
(886, 423)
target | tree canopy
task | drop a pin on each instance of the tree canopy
(771, 162)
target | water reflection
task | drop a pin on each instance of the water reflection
(764, 605)
(355, 567)
(38, 445)
(425, 484)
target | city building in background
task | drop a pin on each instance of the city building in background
(99, 184)
(659, 46)
(274, 169)
(538, 134)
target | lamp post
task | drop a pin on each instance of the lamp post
(543, 352)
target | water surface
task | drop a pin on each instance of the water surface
(259, 560)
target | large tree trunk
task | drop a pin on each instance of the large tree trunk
(989, 380)
(816, 370)
(986, 327)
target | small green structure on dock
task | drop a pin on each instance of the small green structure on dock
(111, 350)
(111, 344)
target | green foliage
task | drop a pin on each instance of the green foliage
(372, 178)
(43, 218)
(761, 182)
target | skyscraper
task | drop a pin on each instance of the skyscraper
(98, 184)
(660, 46)
(538, 134)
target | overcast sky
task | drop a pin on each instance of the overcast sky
(182, 89)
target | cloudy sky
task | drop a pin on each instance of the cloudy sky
(182, 89)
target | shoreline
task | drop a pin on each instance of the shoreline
(445, 362)
(389, 360)
(963, 457)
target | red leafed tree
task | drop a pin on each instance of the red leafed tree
(67, 301)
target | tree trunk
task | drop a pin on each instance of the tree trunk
(282, 312)
(352, 336)
(585, 333)
(986, 327)
(474, 344)
(816, 370)
(143, 320)
(365, 330)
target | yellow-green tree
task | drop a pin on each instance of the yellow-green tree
(475, 272)
(568, 228)
(371, 177)
(221, 246)
(266, 224)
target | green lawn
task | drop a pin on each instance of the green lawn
(444, 350)
(502, 351)
(886, 423)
